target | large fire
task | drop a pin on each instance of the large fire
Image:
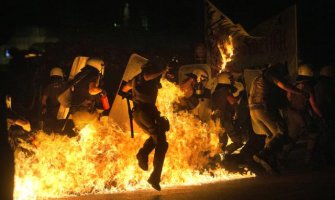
(226, 49)
(101, 159)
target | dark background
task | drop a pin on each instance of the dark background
(175, 27)
(173, 24)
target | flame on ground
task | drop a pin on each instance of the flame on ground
(226, 49)
(101, 159)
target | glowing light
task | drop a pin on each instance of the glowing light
(101, 159)
(226, 51)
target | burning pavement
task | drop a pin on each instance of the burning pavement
(101, 159)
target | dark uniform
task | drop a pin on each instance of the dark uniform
(146, 115)
(325, 98)
(83, 104)
(172, 73)
(81, 98)
(265, 101)
(243, 120)
(300, 119)
(225, 111)
(52, 91)
(6, 152)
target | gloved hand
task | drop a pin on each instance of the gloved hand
(125, 94)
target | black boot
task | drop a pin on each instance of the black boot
(143, 153)
(267, 158)
(154, 183)
(267, 161)
(159, 157)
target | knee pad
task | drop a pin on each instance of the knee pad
(164, 124)
(153, 131)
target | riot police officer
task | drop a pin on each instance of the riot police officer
(50, 104)
(85, 93)
(224, 104)
(144, 88)
(267, 97)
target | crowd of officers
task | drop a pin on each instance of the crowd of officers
(267, 122)
(264, 123)
(281, 112)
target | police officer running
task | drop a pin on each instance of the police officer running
(144, 88)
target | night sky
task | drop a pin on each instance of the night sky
(173, 18)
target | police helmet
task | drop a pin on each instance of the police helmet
(224, 78)
(56, 71)
(97, 63)
(305, 72)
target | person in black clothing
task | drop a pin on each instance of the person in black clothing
(144, 87)
(172, 70)
(6, 152)
(224, 104)
(50, 104)
(85, 94)
(267, 97)
(303, 114)
(325, 98)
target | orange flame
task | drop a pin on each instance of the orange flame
(101, 159)
(226, 51)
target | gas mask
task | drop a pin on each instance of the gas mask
(201, 80)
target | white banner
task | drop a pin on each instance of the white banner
(218, 27)
(273, 41)
(277, 44)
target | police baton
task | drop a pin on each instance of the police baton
(66, 119)
(130, 113)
